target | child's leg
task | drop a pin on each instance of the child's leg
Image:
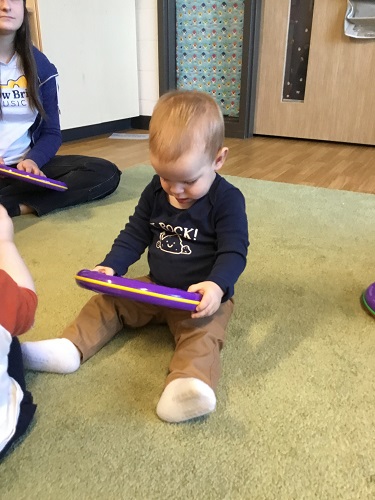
(195, 367)
(97, 323)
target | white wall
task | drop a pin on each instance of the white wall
(94, 46)
(147, 47)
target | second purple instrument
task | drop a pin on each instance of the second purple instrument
(368, 299)
(39, 180)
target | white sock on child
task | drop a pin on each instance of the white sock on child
(54, 355)
(185, 398)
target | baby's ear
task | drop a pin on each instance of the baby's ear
(220, 158)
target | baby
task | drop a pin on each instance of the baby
(193, 224)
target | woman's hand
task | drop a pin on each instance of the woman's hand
(30, 167)
(211, 298)
(104, 270)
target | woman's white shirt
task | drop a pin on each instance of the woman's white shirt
(17, 116)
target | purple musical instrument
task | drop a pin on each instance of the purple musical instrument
(138, 290)
(368, 299)
(39, 180)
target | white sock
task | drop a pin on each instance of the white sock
(185, 398)
(54, 355)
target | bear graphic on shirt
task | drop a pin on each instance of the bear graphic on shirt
(172, 243)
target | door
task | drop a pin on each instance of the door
(339, 95)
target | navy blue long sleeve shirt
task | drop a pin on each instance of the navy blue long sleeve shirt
(206, 242)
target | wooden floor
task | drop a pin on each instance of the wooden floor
(324, 164)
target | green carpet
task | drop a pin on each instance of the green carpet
(296, 403)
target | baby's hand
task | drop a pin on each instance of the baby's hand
(6, 225)
(30, 167)
(105, 270)
(211, 298)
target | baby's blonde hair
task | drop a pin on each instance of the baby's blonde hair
(183, 120)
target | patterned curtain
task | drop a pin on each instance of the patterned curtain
(209, 50)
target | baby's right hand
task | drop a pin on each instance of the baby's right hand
(105, 270)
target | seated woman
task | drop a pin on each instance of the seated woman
(17, 309)
(30, 132)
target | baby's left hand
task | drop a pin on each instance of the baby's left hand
(211, 298)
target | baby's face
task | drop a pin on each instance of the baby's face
(187, 179)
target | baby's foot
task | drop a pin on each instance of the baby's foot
(54, 355)
(185, 398)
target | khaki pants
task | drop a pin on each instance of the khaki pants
(198, 341)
